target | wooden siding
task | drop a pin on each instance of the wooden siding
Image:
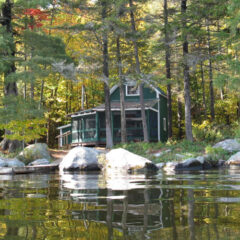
(148, 93)
(163, 115)
(64, 130)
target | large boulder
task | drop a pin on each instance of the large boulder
(81, 158)
(37, 162)
(191, 164)
(229, 145)
(14, 163)
(234, 160)
(122, 160)
(34, 152)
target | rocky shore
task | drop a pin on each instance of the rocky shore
(37, 158)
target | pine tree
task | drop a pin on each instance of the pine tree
(15, 67)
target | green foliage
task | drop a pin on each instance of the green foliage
(237, 132)
(19, 109)
(211, 132)
(27, 130)
(33, 3)
(217, 153)
(168, 150)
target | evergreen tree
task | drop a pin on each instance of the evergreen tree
(15, 67)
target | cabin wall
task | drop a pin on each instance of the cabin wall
(148, 94)
(69, 141)
(152, 125)
(163, 119)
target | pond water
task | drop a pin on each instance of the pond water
(201, 205)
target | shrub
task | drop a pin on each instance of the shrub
(212, 132)
(217, 153)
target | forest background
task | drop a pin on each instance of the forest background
(58, 57)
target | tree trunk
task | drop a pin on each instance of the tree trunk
(109, 138)
(179, 115)
(203, 93)
(41, 94)
(82, 97)
(191, 224)
(168, 68)
(122, 100)
(10, 88)
(187, 97)
(212, 110)
(138, 71)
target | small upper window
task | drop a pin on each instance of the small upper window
(132, 90)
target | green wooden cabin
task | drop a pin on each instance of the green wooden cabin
(88, 126)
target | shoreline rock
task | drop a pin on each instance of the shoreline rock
(81, 159)
(34, 152)
(122, 160)
(229, 145)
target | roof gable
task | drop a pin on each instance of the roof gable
(158, 90)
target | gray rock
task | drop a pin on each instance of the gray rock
(121, 160)
(81, 158)
(34, 152)
(234, 159)
(159, 154)
(42, 161)
(201, 159)
(229, 145)
(190, 164)
(14, 163)
(170, 166)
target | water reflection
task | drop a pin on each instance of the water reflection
(203, 205)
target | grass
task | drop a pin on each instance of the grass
(174, 150)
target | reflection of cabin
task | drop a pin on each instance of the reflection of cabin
(88, 126)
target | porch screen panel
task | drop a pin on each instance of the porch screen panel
(90, 127)
(75, 130)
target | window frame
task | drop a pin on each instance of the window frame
(132, 94)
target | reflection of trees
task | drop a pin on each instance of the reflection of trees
(109, 214)
(124, 214)
(191, 225)
(76, 208)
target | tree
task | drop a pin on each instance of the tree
(187, 97)
(9, 66)
(138, 71)
(168, 66)
(16, 67)
(109, 138)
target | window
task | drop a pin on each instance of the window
(90, 122)
(132, 90)
(165, 124)
(75, 125)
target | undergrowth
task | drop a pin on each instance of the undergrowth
(205, 135)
